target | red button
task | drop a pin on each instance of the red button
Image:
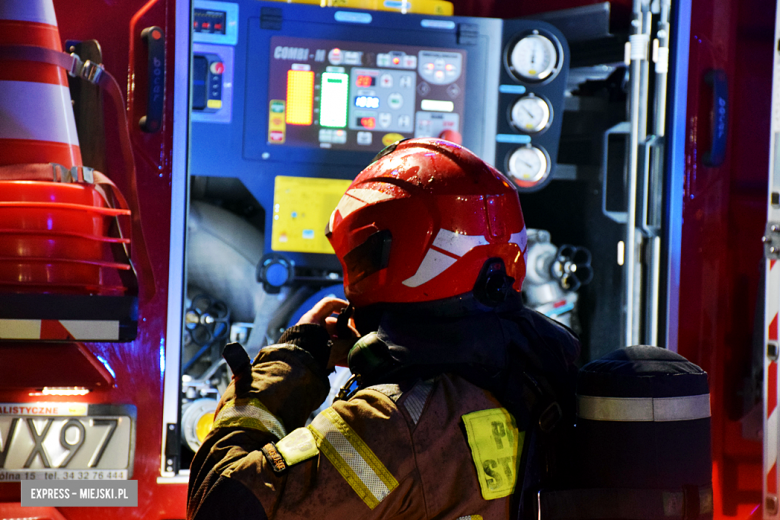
(218, 26)
(217, 67)
(451, 135)
(206, 25)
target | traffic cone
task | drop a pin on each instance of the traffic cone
(53, 221)
(37, 124)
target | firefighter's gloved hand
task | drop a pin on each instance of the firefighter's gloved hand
(286, 382)
(342, 335)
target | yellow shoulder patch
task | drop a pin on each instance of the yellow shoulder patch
(496, 446)
(298, 446)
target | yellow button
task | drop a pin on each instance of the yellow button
(204, 425)
(214, 103)
(389, 139)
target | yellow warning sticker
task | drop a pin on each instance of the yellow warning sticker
(302, 208)
(496, 446)
(298, 446)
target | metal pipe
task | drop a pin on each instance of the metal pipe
(655, 186)
(631, 289)
(662, 67)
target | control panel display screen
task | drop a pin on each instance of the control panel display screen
(361, 96)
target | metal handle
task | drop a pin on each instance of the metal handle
(651, 184)
(717, 79)
(622, 129)
(155, 92)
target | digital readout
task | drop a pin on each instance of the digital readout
(334, 100)
(367, 122)
(365, 81)
(367, 102)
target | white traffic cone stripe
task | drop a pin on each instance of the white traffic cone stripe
(36, 111)
(28, 11)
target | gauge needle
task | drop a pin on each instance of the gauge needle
(528, 112)
(527, 164)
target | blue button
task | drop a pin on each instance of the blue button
(513, 138)
(438, 24)
(511, 89)
(346, 16)
(276, 275)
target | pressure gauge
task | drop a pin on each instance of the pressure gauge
(534, 58)
(530, 114)
(528, 166)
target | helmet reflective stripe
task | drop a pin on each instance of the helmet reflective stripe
(359, 197)
(456, 243)
(434, 263)
(521, 239)
(354, 199)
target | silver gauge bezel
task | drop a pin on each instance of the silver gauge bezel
(540, 176)
(541, 101)
(545, 75)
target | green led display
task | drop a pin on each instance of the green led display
(334, 99)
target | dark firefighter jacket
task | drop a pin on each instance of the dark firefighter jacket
(456, 439)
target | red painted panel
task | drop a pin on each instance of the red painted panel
(137, 365)
(723, 220)
(31, 367)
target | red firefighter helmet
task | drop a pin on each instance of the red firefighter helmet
(421, 222)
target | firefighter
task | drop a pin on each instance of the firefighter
(462, 400)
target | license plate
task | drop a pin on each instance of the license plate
(69, 441)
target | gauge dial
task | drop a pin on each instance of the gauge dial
(530, 114)
(534, 57)
(528, 166)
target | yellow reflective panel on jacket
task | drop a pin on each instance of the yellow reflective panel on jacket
(249, 413)
(300, 445)
(352, 458)
(496, 446)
